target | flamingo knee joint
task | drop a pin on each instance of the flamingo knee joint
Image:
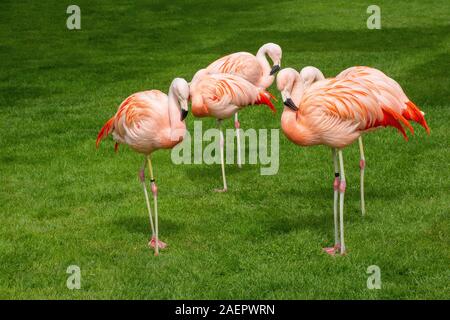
(336, 183)
(362, 164)
(141, 175)
(154, 188)
(342, 186)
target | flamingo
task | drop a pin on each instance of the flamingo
(386, 88)
(255, 69)
(148, 121)
(220, 96)
(335, 112)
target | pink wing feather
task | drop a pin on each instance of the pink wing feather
(242, 64)
(220, 95)
(135, 117)
(347, 106)
(388, 92)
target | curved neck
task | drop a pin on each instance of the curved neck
(297, 90)
(296, 130)
(175, 114)
(262, 59)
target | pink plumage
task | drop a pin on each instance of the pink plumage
(388, 91)
(222, 95)
(148, 121)
(335, 112)
(142, 122)
(255, 69)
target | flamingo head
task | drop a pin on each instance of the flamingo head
(310, 75)
(286, 79)
(274, 52)
(181, 90)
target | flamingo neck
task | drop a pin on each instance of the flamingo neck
(297, 90)
(177, 127)
(297, 130)
(266, 79)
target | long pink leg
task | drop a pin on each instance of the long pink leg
(342, 187)
(222, 162)
(237, 125)
(362, 165)
(142, 179)
(336, 183)
(155, 242)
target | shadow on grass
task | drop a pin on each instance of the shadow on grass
(213, 171)
(137, 225)
(401, 39)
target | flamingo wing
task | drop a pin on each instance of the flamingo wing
(219, 91)
(388, 92)
(134, 113)
(349, 105)
(242, 64)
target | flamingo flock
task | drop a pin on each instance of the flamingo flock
(317, 111)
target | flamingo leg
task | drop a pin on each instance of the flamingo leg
(362, 165)
(237, 125)
(142, 179)
(337, 245)
(155, 242)
(219, 124)
(342, 187)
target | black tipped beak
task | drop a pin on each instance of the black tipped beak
(290, 104)
(184, 114)
(275, 69)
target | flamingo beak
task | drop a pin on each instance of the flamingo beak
(184, 114)
(275, 69)
(184, 109)
(290, 104)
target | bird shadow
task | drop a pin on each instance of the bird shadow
(139, 225)
(213, 171)
(340, 40)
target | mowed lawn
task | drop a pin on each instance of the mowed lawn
(62, 202)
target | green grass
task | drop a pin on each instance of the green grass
(62, 202)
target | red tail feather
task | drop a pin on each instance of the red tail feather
(413, 113)
(105, 131)
(393, 119)
(264, 98)
(272, 96)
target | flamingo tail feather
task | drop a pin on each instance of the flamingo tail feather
(264, 98)
(394, 119)
(105, 130)
(412, 112)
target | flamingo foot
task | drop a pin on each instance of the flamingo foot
(221, 190)
(161, 244)
(333, 250)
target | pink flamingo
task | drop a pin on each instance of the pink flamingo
(148, 121)
(335, 112)
(255, 69)
(220, 96)
(386, 87)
